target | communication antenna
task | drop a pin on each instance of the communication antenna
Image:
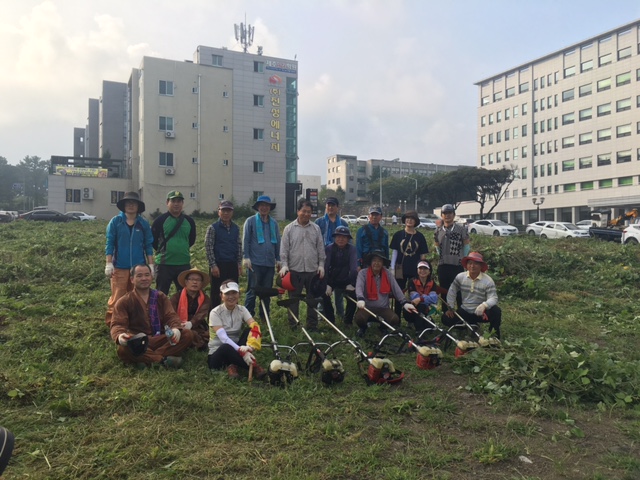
(244, 34)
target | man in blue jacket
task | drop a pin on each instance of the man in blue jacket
(129, 243)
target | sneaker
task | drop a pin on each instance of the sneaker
(232, 371)
(172, 362)
(259, 372)
(361, 332)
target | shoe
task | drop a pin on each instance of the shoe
(259, 372)
(361, 332)
(172, 362)
(232, 371)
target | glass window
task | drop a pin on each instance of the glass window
(511, 92)
(483, 120)
(586, 185)
(624, 104)
(499, 116)
(624, 53)
(165, 159)
(569, 187)
(507, 154)
(524, 87)
(585, 138)
(625, 181)
(586, 66)
(491, 119)
(491, 139)
(483, 160)
(216, 60)
(506, 113)
(166, 87)
(568, 142)
(604, 134)
(568, 118)
(568, 95)
(585, 114)
(585, 162)
(506, 134)
(604, 59)
(623, 157)
(258, 167)
(525, 109)
(485, 100)
(497, 96)
(623, 79)
(524, 152)
(515, 109)
(604, 109)
(515, 154)
(604, 159)
(258, 133)
(483, 140)
(491, 159)
(604, 84)
(166, 124)
(524, 130)
(606, 183)
(523, 173)
(258, 67)
(498, 157)
(623, 130)
(258, 100)
(515, 132)
(569, 72)
(498, 137)
(584, 90)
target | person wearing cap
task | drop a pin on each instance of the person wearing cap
(341, 271)
(260, 251)
(193, 306)
(408, 246)
(129, 242)
(234, 335)
(148, 311)
(224, 250)
(452, 243)
(375, 287)
(372, 236)
(331, 220)
(302, 254)
(478, 293)
(423, 294)
(174, 233)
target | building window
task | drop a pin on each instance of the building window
(483, 160)
(511, 92)
(585, 90)
(623, 157)
(515, 109)
(491, 139)
(491, 159)
(624, 53)
(216, 60)
(569, 187)
(258, 67)
(506, 114)
(225, 129)
(568, 142)
(604, 84)
(194, 125)
(73, 195)
(604, 134)
(524, 192)
(258, 100)
(194, 160)
(524, 87)
(623, 131)
(506, 134)
(625, 181)
(524, 152)
(498, 137)
(604, 109)
(258, 133)
(523, 173)
(568, 95)
(568, 165)
(585, 162)
(165, 159)
(568, 118)
(604, 159)
(485, 100)
(569, 72)
(116, 196)
(499, 116)
(258, 167)
(491, 119)
(604, 59)
(515, 153)
(166, 124)
(515, 132)
(506, 155)
(605, 183)
(193, 195)
(586, 66)
(524, 130)
(166, 87)
(497, 96)
(225, 163)
(483, 121)
(585, 138)
(623, 79)
(624, 104)
(585, 114)
(483, 140)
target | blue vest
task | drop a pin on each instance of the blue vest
(226, 244)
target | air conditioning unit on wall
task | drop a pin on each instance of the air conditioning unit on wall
(170, 134)
(170, 171)
(87, 193)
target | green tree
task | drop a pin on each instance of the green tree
(325, 192)
(9, 176)
(34, 173)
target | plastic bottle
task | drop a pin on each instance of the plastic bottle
(169, 333)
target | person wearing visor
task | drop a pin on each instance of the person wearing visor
(234, 336)
(423, 294)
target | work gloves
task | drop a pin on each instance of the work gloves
(480, 309)
(187, 325)
(283, 271)
(409, 307)
(123, 338)
(246, 263)
(108, 269)
(328, 291)
(360, 304)
(247, 356)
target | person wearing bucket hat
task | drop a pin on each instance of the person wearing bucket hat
(424, 294)
(302, 254)
(452, 243)
(341, 271)
(478, 293)
(372, 236)
(193, 306)
(260, 252)
(174, 233)
(375, 286)
(408, 246)
(224, 250)
(129, 242)
(148, 311)
(331, 220)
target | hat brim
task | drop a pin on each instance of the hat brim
(271, 205)
(182, 278)
(371, 256)
(483, 265)
(122, 201)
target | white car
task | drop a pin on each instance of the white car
(562, 230)
(350, 219)
(535, 227)
(497, 228)
(427, 223)
(81, 216)
(631, 234)
(585, 224)
(364, 220)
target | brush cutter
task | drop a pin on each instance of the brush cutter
(483, 342)
(281, 372)
(332, 369)
(428, 357)
(380, 370)
(462, 346)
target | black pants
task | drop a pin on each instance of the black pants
(227, 355)
(302, 281)
(228, 271)
(168, 274)
(494, 316)
(446, 275)
(416, 320)
(327, 307)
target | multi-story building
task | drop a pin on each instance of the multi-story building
(223, 126)
(567, 124)
(352, 175)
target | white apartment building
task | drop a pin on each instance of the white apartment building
(568, 124)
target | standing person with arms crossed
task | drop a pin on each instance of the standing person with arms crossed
(372, 237)
(224, 250)
(260, 251)
(452, 244)
(174, 233)
(129, 242)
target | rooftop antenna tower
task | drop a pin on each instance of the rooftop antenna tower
(244, 34)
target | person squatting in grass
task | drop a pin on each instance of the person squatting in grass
(374, 287)
(341, 271)
(148, 312)
(423, 294)
(231, 343)
(193, 306)
(479, 295)
(129, 242)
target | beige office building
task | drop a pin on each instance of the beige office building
(568, 124)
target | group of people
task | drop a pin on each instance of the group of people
(318, 258)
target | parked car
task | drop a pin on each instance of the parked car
(586, 224)
(631, 234)
(47, 216)
(427, 223)
(497, 228)
(535, 227)
(350, 219)
(83, 217)
(563, 230)
(5, 217)
(364, 220)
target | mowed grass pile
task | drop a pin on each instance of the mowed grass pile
(559, 400)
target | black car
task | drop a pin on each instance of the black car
(46, 216)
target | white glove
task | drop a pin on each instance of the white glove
(152, 266)
(350, 288)
(283, 271)
(409, 307)
(246, 263)
(320, 271)
(328, 291)
(360, 304)
(244, 349)
(187, 325)
(122, 339)
(108, 269)
(249, 359)
(176, 335)
(480, 309)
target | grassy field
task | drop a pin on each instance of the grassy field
(560, 400)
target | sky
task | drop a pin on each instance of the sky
(380, 79)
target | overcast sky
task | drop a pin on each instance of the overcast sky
(378, 78)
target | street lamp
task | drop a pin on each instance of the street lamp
(416, 200)
(537, 202)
